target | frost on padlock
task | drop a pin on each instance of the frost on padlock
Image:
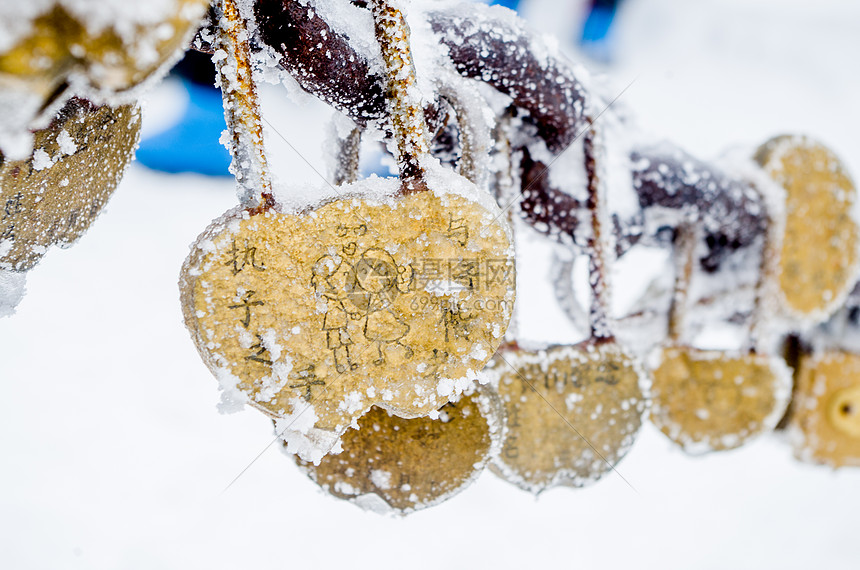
(392, 464)
(52, 197)
(395, 301)
(709, 400)
(12, 288)
(95, 48)
(712, 401)
(819, 256)
(825, 415)
(572, 412)
(389, 293)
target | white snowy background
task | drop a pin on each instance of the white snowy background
(112, 454)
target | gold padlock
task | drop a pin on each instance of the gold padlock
(404, 465)
(390, 293)
(818, 258)
(707, 400)
(826, 409)
(572, 412)
(52, 197)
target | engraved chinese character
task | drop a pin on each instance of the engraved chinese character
(308, 378)
(358, 230)
(8, 232)
(13, 205)
(261, 350)
(500, 272)
(246, 303)
(465, 271)
(456, 322)
(439, 358)
(239, 258)
(457, 230)
(608, 373)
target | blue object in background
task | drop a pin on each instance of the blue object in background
(599, 21)
(512, 4)
(596, 40)
(192, 144)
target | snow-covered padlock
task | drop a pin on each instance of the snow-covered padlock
(52, 197)
(710, 400)
(825, 416)
(572, 412)
(94, 47)
(819, 253)
(389, 293)
(392, 464)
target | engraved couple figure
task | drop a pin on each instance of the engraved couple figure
(359, 292)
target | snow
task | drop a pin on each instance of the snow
(66, 143)
(354, 23)
(120, 15)
(476, 121)
(301, 438)
(41, 160)
(381, 479)
(115, 457)
(16, 19)
(12, 288)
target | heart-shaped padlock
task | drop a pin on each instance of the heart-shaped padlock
(572, 412)
(709, 400)
(52, 197)
(818, 260)
(391, 293)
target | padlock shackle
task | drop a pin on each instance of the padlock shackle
(242, 109)
(402, 95)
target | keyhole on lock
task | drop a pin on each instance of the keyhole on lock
(844, 408)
